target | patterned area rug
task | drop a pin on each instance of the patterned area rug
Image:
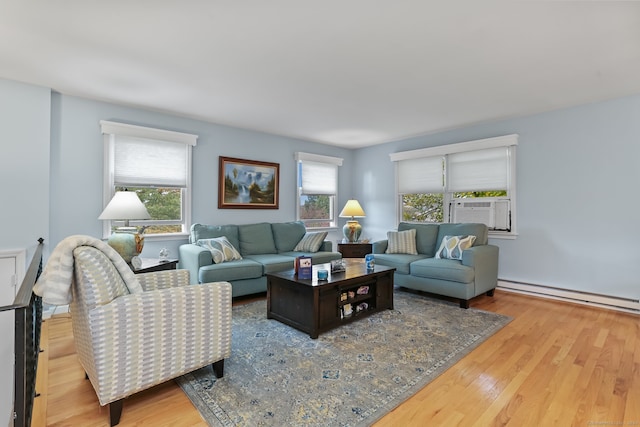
(350, 376)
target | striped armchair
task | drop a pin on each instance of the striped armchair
(128, 342)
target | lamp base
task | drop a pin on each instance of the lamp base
(352, 231)
(127, 242)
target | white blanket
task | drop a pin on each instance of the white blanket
(54, 284)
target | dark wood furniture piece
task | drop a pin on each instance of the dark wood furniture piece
(355, 250)
(155, 264)
(314, 306)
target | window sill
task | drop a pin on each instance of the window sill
(503, 236)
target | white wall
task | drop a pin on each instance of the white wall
(24, 174)
(577, 204)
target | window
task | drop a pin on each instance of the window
(156, 164)
(466, 182)
(317, 190)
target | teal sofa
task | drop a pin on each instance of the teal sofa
(264, 247)
(472, 275)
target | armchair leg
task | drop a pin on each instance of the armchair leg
(490, 292)
(115, 411)
(218, 368)
(464, 303)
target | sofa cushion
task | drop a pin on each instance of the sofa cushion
(256, 239)
(401, 262)
(443, 269)
(273, 263)
(200, 231)
(479, 230)
(221, 249)
(286, 235)
(453, 246)
(311, 242)
(426, 236)
(402, 242)
(228, 271)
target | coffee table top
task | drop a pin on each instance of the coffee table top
(355, 267)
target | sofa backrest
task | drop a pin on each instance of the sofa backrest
(286, 235)
(256, 239)
(430, 235)
(201, 231)
(426, 236)
(479, 230)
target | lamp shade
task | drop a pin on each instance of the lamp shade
(352, 210)
(125, 205)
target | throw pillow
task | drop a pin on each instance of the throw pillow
(311, 242)
(452, 246)
(221, 249)
(402, 242)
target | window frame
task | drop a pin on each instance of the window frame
(443, 151)
(111, 131)
(300, 158)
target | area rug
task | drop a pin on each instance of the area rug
(350, 376)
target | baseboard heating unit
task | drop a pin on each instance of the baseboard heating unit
(586, 298)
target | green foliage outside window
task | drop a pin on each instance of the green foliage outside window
(163, 204)
(315, 211)
(430, 207)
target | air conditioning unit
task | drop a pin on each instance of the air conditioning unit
(493, 212)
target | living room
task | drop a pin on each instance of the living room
(576, 177)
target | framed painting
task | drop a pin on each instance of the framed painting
(248, 184)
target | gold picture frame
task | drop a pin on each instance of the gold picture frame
(248, 184)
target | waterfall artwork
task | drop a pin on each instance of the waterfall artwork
(247, 184)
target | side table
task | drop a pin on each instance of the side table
(355, 250)
(155, 264)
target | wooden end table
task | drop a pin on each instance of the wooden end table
(155, 264)
(355, 250)
(314, 306)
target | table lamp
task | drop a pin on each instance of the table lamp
(352, 229)
(125, 206)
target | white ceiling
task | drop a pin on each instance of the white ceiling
(341, 72)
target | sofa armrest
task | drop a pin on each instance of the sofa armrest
(380, 246)
(192, 257)
(484, 260)
(163, 279)
(326, 246)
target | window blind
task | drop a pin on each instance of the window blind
(319, 178)
(421, 175)
(140, 161)
(480, 170)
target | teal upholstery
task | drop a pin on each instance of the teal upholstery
(256, 239)
(426, 237)
(476, 273)
(265, 248)
(199, 231)
(286, 235)
(230, 270)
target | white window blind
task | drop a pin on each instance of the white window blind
(480, 170)
(319, 178)
(318, 173)
(141, 161)
(421, 175)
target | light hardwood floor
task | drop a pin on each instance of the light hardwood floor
(555, 364)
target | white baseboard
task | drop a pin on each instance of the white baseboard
(584, 298)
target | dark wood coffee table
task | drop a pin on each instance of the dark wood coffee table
(315, 306)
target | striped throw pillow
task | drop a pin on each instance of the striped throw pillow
(221, 249)
(402, 242)
(452, 246)
(311, 242)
